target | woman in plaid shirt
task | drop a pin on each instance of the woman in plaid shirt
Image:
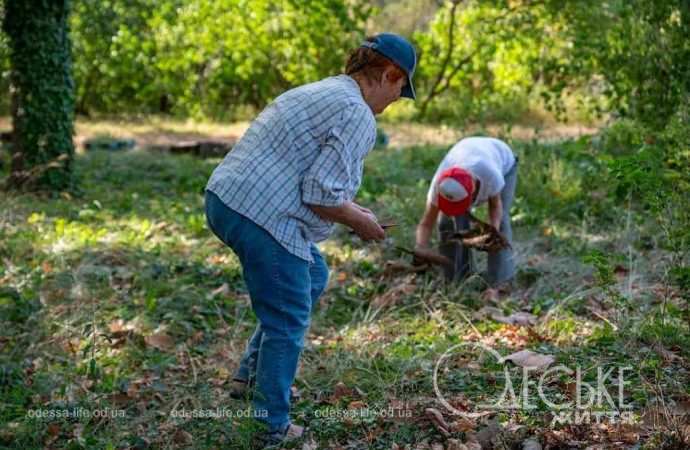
(292, 175)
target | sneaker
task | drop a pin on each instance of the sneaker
(277, 438)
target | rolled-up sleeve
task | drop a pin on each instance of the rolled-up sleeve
(328, 180)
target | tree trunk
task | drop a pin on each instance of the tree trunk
(42, 92)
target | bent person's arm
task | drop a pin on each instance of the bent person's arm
(495, 211)
(425, 228)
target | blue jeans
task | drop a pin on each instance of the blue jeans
(284, 289)
(501, 265)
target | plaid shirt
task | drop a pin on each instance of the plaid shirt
(306, 148)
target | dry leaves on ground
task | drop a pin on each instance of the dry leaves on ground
(403, 287)
(160, 341)
(438, 421)
(455, 444)
(519, 318)
(341, 390)
(530, 359)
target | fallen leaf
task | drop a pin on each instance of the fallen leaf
(117, 326)
(438, 421)
(528, 358)
(133, 390)
(571, 389)
(463, 425)
(423, 445)
(72, 345)
(78, 431)
(311, 444)
(357, 404)
(484, 312)
(667, 355)
(405, 287)
(519, 318)
(531, 444)
(52, 434)
(339, 391)
(628, 437)
(183, 437)
(223, 290)
(681, 408)
(534, 335)
(160, 341)
(119, 400)
(455, 444)
(620, 270)
(473, 445)
(53, 429)
(86, 385)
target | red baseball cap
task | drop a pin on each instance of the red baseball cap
(455, 187)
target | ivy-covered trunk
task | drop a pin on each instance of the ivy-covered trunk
(42, 93)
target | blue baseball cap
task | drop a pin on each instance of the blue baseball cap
(401, 52)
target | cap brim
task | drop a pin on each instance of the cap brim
(408, 90)
(453, 208)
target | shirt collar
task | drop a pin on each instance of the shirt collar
(353, 83)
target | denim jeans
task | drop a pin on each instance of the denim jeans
(283, 289)
(501, 265)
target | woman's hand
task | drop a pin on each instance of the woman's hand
(367, 227)
(360, 219)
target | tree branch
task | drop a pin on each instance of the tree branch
(446, 60)
(442, 82)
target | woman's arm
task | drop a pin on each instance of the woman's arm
(361, 220)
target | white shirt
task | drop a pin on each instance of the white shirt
(487, 159)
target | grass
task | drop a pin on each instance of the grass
(119, 298)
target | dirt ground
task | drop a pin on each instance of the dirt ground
(154, 131)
